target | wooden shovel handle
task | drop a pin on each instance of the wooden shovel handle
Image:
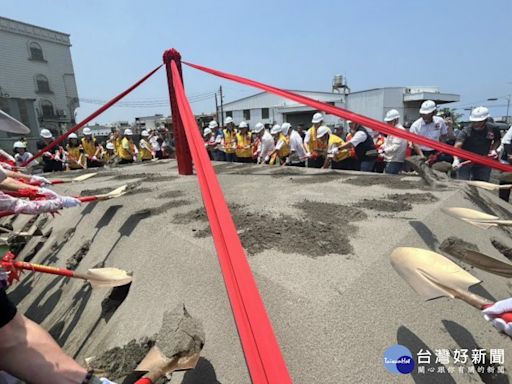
(481, 303)
(42, 268)
(54, 182)
(87, 199)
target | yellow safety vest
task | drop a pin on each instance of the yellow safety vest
(229, 141)
(74, 152)
(123, 153)
(89, 146)
(314, 145)
(284, 151)
(338, 142)
(241, 143)
(117, 145)
(145, 154)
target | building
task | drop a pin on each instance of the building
(150, 122)
(374, 103)
(37, 80)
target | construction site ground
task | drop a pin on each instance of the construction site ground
(318, 243)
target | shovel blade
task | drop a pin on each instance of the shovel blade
(469, 214)
(481, 261)
(430, 273)
(118, 192)
(484, 185)
(442, 166)
(108, 277)
(155, 360)
(85, 177)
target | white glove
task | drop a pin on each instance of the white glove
(40, 179)
(493, 154)
(308, 155)
(94, 158)
(46, 191)
(498, 308)
(267, 158)
(456, 163)
(69, 202)
(104, 380)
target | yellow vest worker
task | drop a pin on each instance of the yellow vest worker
(117, 144)
(335, 142)
(145, 147)
(314, 144)
(229, 141)
(89, 142)
(243, 145)
(126, 150)
(284, 148)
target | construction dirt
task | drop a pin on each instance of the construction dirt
(398, 202)
(324, 228)
(393, 182)
(74, 261)
(502, 248)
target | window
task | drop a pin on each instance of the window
(264, 113)
(36, 52)
(247, 114)
(330, 102)
(47, 108)
(229, 114)
(43, 86)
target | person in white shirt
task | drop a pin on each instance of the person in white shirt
(22, 155)
(394, 148)
(430, 126)
(266, 146)
(297, 156)
(505, 151)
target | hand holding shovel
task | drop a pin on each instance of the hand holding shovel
(432, 276)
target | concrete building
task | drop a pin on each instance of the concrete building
(151, 122)
(374, 103)
(37, 80)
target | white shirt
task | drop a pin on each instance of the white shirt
(20, 159)
(266, 147)
(296, 147)
(358, 138)
(395, 147)
(154, 143)
(507, 139)
(433, 130)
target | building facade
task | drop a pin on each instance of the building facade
(37, 80)
(269, 108)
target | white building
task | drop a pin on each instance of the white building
(374, 103)
(37, 80)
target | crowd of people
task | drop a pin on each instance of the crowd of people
(361, 148)
(88, 152)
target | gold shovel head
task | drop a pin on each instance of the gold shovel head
(155, 360)
(108, 277)
(85, 177)
(118, 192)
(483, 184)
(482, 261)
(442, 166)
(469, 214)
(430, 274)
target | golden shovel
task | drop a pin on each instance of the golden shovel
(477, 218)
(432, 276)
(481, 261)
(488, 186)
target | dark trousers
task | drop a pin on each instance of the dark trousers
(126, 161)
(52, 166)
(300, 164)
(316, 163)
(244, 160)
(93, 164)
(474, 172)
(505, 193)
(219, 155)
(230, 157)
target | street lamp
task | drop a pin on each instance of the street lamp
(508, 103)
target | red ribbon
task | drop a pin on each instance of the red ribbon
(98, 112)
(360, 119)
(262, 352)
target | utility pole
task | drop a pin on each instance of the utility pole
(221, 107)
(216, 108)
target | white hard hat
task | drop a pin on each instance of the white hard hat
(110, 145)
(317, 118)
(349, 121)
(213, 124)
(73, 136)
(243, 124)
(228, 120)
(259, 127)
(207, 131)
(10, 124)
(479, 114)
(128, 132)
(275, 129)
(87, 131)
(144, 133)
(427, 107)
(285, 128)
(322, 131)
(45, 133)
(19, 144)
(391, 115)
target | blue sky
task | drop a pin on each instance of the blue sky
(461, 46)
